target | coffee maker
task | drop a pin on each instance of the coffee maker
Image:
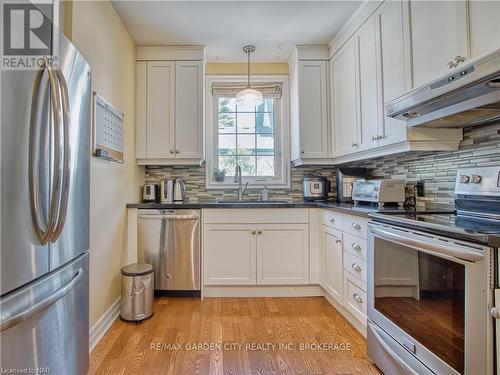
(345, 181)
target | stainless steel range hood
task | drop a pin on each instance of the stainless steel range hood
(469, 95)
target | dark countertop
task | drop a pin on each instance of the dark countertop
(348, 208)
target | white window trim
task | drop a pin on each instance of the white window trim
(283, 116)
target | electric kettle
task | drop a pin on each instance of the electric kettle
(179, 190)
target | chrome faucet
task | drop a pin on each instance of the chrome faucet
(238, 179)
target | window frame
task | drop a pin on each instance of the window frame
(281, 137)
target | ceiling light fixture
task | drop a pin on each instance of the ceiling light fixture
(249, 97)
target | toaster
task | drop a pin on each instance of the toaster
(379, 191)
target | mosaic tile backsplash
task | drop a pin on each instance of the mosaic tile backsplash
(480, 147)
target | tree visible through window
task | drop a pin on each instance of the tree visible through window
(246, 136)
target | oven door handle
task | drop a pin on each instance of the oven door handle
(428, 247)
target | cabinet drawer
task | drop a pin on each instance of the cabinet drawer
(355, 245)
(355, 266)
(355, 225)
(331, 219)
(354, 298)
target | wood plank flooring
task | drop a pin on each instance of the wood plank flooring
(246, 335)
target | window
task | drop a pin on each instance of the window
(252, 137)
(246, 138)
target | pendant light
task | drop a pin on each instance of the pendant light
(249, 97)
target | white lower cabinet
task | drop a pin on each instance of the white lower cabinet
(251, 254)
(283, 254)
(229, 254)
(331, 258)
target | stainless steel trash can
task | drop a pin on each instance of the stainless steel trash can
(137, 292)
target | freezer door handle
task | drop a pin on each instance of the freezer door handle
(64, 126)
(51, 299)
(43, 235)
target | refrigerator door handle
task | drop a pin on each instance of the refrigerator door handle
(43, 235)
(64, 125)
(36, 308)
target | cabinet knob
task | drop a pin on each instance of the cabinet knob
(356, 226)
(259, 232)
(356, 246)
(338, 241)
(452, 65)
(374, 138)
(253, 232)
(380, 136)
(171, 151)
(331, 219)
(176, 151)
(357, 298)
(356, 267)
(302, 151)
(354, 145)
(459, 59)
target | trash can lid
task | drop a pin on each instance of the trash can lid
(137, 269)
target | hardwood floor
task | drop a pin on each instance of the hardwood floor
(242, 332)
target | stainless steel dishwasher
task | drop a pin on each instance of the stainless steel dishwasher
(170, 241)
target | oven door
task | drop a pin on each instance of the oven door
(431, 295)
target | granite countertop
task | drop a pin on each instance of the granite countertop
(348, 208)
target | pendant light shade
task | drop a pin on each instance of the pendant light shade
(249, 97)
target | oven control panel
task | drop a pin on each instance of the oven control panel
(478, 181)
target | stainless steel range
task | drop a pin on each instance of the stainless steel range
(432, 283)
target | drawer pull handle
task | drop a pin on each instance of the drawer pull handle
(356, 267)
(331, 219)
(357, 298)
(356, 226)
(338, 241)
(356, 247)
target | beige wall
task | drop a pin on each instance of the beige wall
(241, 68)
(105, 43)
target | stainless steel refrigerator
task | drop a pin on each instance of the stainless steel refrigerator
(45, 172)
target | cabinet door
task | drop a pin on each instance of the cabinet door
(313, 121)
(369, 79)
(439, 34)
(229, 254)
(283, 254)
(141, 108)
(393, 50)
(484, 26)
(332, 272)
(160, 109)
(189, 109)
(345, 99)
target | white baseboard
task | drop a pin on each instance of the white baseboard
(263, 291)
(104, 323)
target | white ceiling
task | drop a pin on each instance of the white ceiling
(274, 27)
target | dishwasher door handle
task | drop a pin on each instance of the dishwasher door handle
(169, 217)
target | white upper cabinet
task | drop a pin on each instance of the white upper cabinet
(189, 109)
(484, 27)
(160, 104)
(344, 100)
(369, 86)
(169, 118)
(439, 38)
(309, 104)
(394, 64)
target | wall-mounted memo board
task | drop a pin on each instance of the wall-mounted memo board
(108, 130)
